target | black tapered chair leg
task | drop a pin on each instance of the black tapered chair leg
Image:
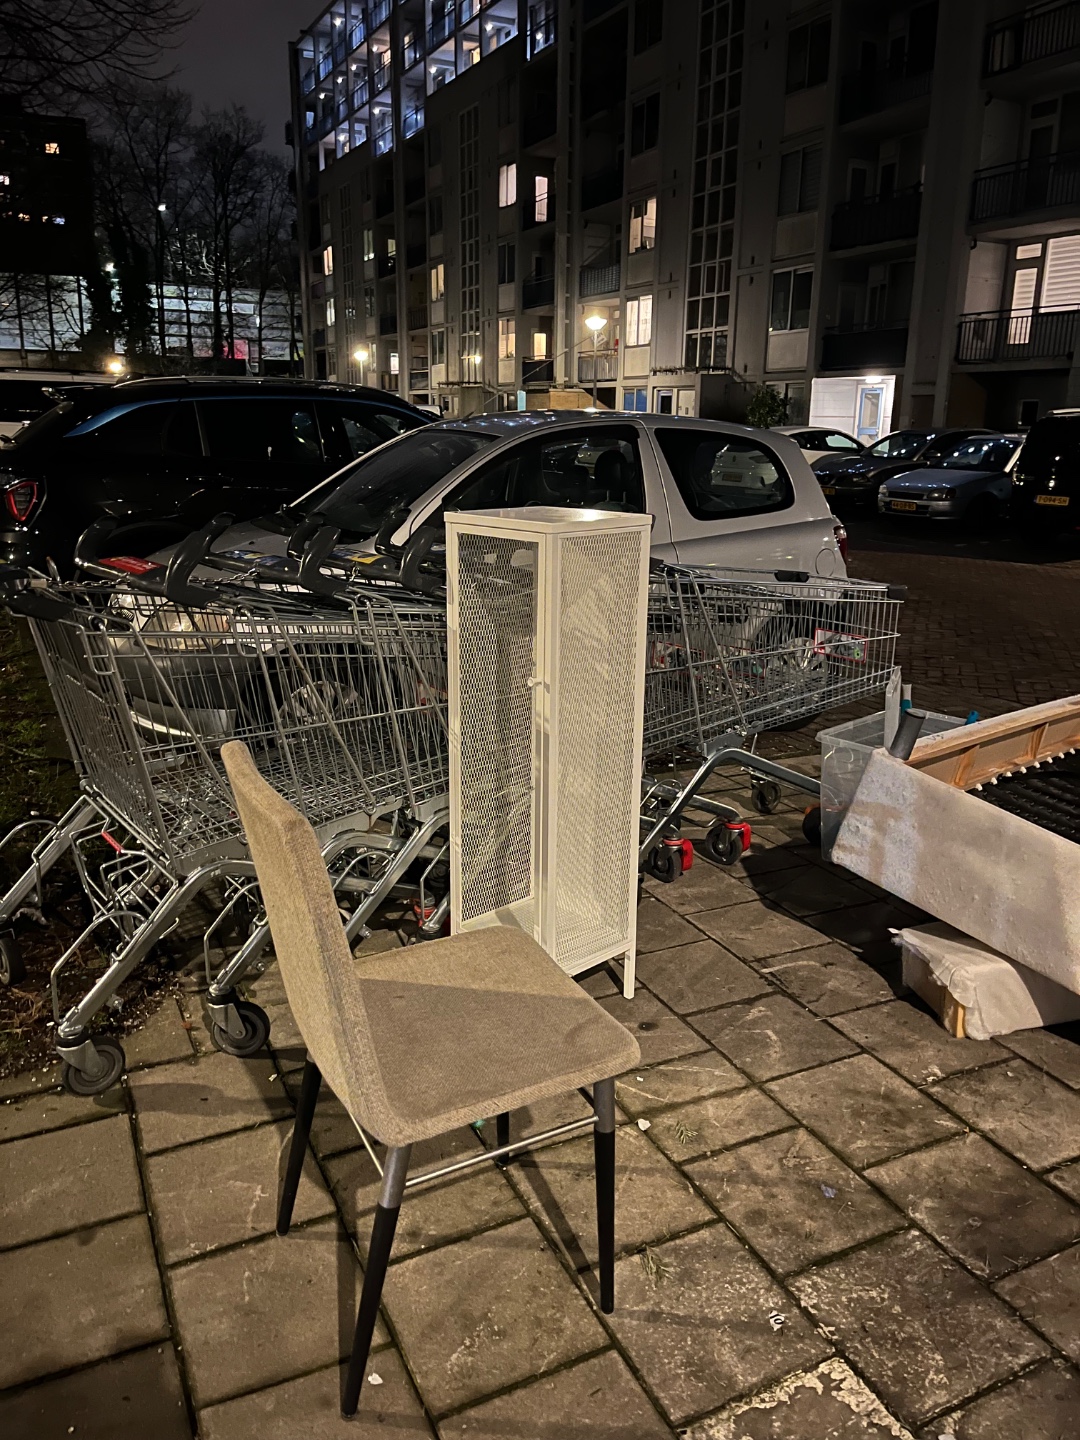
(604, 1155)
(378, 1257)
(502, 1137)
(305, 1111)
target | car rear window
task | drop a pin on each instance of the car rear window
(721, 477)
(985, 452)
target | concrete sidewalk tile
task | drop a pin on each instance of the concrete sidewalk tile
(694, 1316)
(164, 1035)
(868, 927)
(983, 1208)
(862, 1110)
(812, 891)
(267, 1311)
(828, 1403)
(1048, 1297)
(56, 1108)
(644, 1091)
(80, 1298)
(915, 1042)
(661, 1035)
(1067, 1180)
(702, 887)
(1048, 1051)
(793, 1200)
(919, 1329)
(1041, 1405)
(756, 932)
(487, 1312)
(828, 980)
(67, 1179)
(29, 1082)
(310, 1407)
(1028, 1113)
(772, 1036)
(193, 1100)
(225, 1191)
(598, 1399)
(652, 1200)
(716, 1123)
(698, 977)
(133, 1397)
(658, 927)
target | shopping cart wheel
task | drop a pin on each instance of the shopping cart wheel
(765, 796)
(256, 1025)
(811, 825)
(725, 843)
(664, 862)
(12, 966)
(83, 1082)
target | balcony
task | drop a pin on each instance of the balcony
(603, 366)
(598, 280)
(385, 266)
(602, 187)
(412, 121)
(1049, 183)
(380, 11)
(415, 189)
(419, 379)
(1023, 38)
(416, 254)
(537, 372)
(537, 291)
(538, 125)
(876, 219)
(388, 323)
(1015, 337)
(541, 27)
(417, 317)
(358, 34)
(869, 91)
(864, 348)
(440, 30)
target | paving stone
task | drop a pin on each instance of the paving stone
(131, 1398)
(793, 1200)
(862, 1110)
(1041, 1405)
(658, 928)
(1048, 1296)
(58, 1181)
(715, 1123)
(310, 1407)
(1026, 1111)
(80, 1298)
(225, 1191)
(702, 887)
(643, 1092)
(1048, 1051)
(29, 1082)
(267, 1311)
(828, 980)
(756, 932)
(694, 1316)
(921, 1331)
(485, 1313)
(1067, 1180)
(164, 1035)
(915, 1042)
(652, 1200)
(772, 1036)
(661, 1035)
(698, 977)
(765, 857)
(986, 1210)
(601, 981)
(53, 1109)
(829, 1403)
(192, 1100)
(866, 928)
(809, 892)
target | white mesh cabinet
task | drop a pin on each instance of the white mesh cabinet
(546, 612)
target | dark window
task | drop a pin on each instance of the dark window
(648, 24)
(435, 215)
(723, 476)
(800, 180)
(599, 471)
(791, 292)
(645, 124)
(261, 429)
(506, 264)
(808, 55)
(158, 429)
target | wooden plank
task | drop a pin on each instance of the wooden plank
(973, 754)
(944, 1005)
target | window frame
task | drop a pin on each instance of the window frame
(814, 66)
(639, 310)
(792, 273)
(507, 184)
(646, 241)
(645, 134)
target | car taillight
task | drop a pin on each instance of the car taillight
(841, 541)
(21, 498)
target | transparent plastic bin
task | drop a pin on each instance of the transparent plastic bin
(845, 754)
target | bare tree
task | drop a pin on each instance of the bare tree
(227, 161)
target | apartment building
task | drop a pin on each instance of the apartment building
(872, 207)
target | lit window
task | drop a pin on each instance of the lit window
(394, 363)
(507, 185)
(52, 147)
(539, 345)
(24, 218)
(58, 219)
(639, 320)
(643, 225)
(369, 245)
(541, 202)
(5, 179)
(438, 281)
(507, 338)
(328, 260)
(391, 247)
(330, 314)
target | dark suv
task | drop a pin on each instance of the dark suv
(163, 456)
(1046, 480)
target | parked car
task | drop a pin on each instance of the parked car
(1046, 480)
(26, 394)
(163, 456)
(854, 480)
(821, 444)
(971, 482)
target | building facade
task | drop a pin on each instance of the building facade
(868, 206)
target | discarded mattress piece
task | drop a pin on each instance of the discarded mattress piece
(915, 829)
(977, 992)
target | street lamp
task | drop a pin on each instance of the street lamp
(361, 358)
(595, 323)
(115, 366)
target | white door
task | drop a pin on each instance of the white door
(869, 405)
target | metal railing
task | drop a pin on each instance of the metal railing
(868, 91)
(864, 347)
(537, 290)
(876, 218)
(417, 317)
(598, 279)
(388, 324)
(534, 372)
(604, 365)
(1046, 183)
(541, 27)
(993, 336)
(1031, 35)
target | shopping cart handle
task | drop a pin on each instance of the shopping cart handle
(317, 549)
(417, 549)
(304, 532)
(190, 553)
(392, 522)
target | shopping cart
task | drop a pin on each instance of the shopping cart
(344, 709)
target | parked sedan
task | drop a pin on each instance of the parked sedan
(821, 444)
(854, 480)
(972, 482)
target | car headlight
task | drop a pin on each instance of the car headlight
(939, 494)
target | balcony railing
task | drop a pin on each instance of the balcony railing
(601, 187)
(1020, 39)
(388, 323)
(380, 11)
(994, 336)
(1048, 183)
(417, 317)
(875, 219)
(419, 379)
(326, 64)
(440, 30)
(535, 372)
(537, 290)
(307, 81)
(413, 120)
(868, 91)
(602, 366)
(598, 279)
(541, 29)
(358, 34)
(863, 347)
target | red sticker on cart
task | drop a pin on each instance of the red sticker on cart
(130, 564)
(110, 841)
(841, 646)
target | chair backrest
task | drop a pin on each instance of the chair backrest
(309, 940)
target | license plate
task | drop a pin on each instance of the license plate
(828, 489)
(903, 505)
(1051, 499)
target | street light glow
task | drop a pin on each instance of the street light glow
(360, 355)
(595, 323)
(115, 367)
